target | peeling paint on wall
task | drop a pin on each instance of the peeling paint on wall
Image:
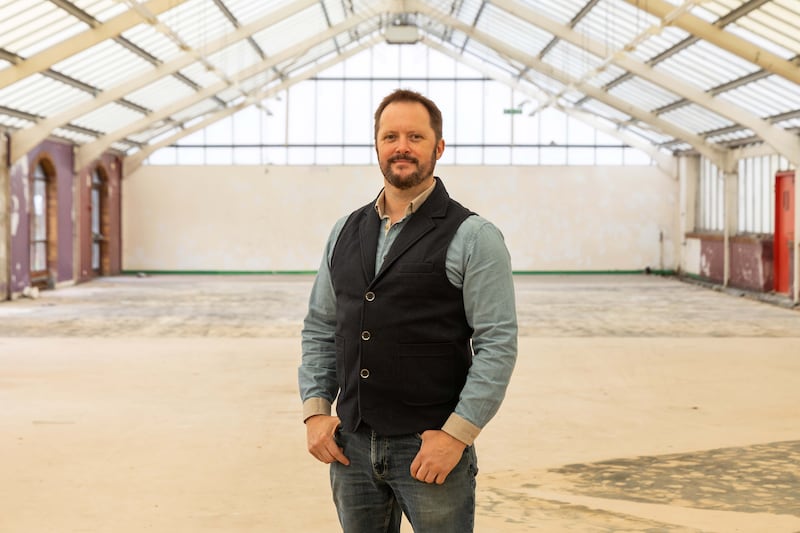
(14, 215)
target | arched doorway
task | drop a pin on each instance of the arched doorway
(43, 225)
(100, 222)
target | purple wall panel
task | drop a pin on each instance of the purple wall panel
(60, 157)
(20, 229)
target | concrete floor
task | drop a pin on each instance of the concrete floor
(168, 404)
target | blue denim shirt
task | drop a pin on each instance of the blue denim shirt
(479, 264)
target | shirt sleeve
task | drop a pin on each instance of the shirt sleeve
(479, 263)
(317, 372)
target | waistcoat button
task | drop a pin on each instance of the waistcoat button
(369, 296)
(365, 335)
(364, 373)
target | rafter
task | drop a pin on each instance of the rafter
(783, 142)
(24, 140)
(726, 40)
(540, 66)
(664, 161)
(94, 149)
(134, 160)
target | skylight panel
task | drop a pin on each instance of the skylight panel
(153, 42)
(200, 74)
(772, 44)
(108, 118)
(778, 21)
(14, 123)
(247, 11)
(643, 94)
(102, 10)
(546, 83)
(658, 43)
(160, 93)
(197, 22)
(40, 95)
(766, 97)
(562, 11)
(576, 62)
(514, 32)
(291, 31)
(705, 65)
(731, 136)
(27, 28)
(467, 10)
(615, 24)
(234, 58)
(789, 124)
(103, 65)
(606, 111)
(74, 136)
(196, 110)
(696, 119)
(489, 56)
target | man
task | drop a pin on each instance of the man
(411, 329)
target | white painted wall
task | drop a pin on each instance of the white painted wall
(278, 218)
(692, 260)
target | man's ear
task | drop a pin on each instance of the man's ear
(439, 149)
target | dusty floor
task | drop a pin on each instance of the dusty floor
(168, 404)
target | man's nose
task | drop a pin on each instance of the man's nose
(402, 146)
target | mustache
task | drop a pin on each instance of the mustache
(408, 158)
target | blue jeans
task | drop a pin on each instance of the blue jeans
(376, 489)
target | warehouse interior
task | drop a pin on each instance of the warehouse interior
(171, 170)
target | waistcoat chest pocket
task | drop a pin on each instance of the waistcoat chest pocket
(415, 268)
(428, 373)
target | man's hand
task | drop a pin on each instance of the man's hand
(319, 436)
(439, 454)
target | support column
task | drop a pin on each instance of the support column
(5, 220)
(689, 181)
(731, 215)
(796, 245)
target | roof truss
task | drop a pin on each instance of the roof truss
(760, 39)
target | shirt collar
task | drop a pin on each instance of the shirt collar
(415, 204)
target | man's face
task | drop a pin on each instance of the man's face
(406, 145)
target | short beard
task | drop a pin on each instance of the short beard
(412, 180)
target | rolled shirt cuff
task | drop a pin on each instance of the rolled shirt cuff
(461, 428)
(316, 406)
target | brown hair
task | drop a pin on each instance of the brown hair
(406, 95)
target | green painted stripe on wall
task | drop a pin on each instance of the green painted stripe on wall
(307, 272)
(216, 272)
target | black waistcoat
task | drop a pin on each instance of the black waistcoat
(402, 339)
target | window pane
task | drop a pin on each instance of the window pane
(358, 113)
(191, 156)
(497, 156)
(96, 256)
(580, 156)
(302, 112)
(525, 156)
(39, 259)
(219, 156)
(95, 210)
(329, 120)
(468, 118)
(247, 156)
(553, 155)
